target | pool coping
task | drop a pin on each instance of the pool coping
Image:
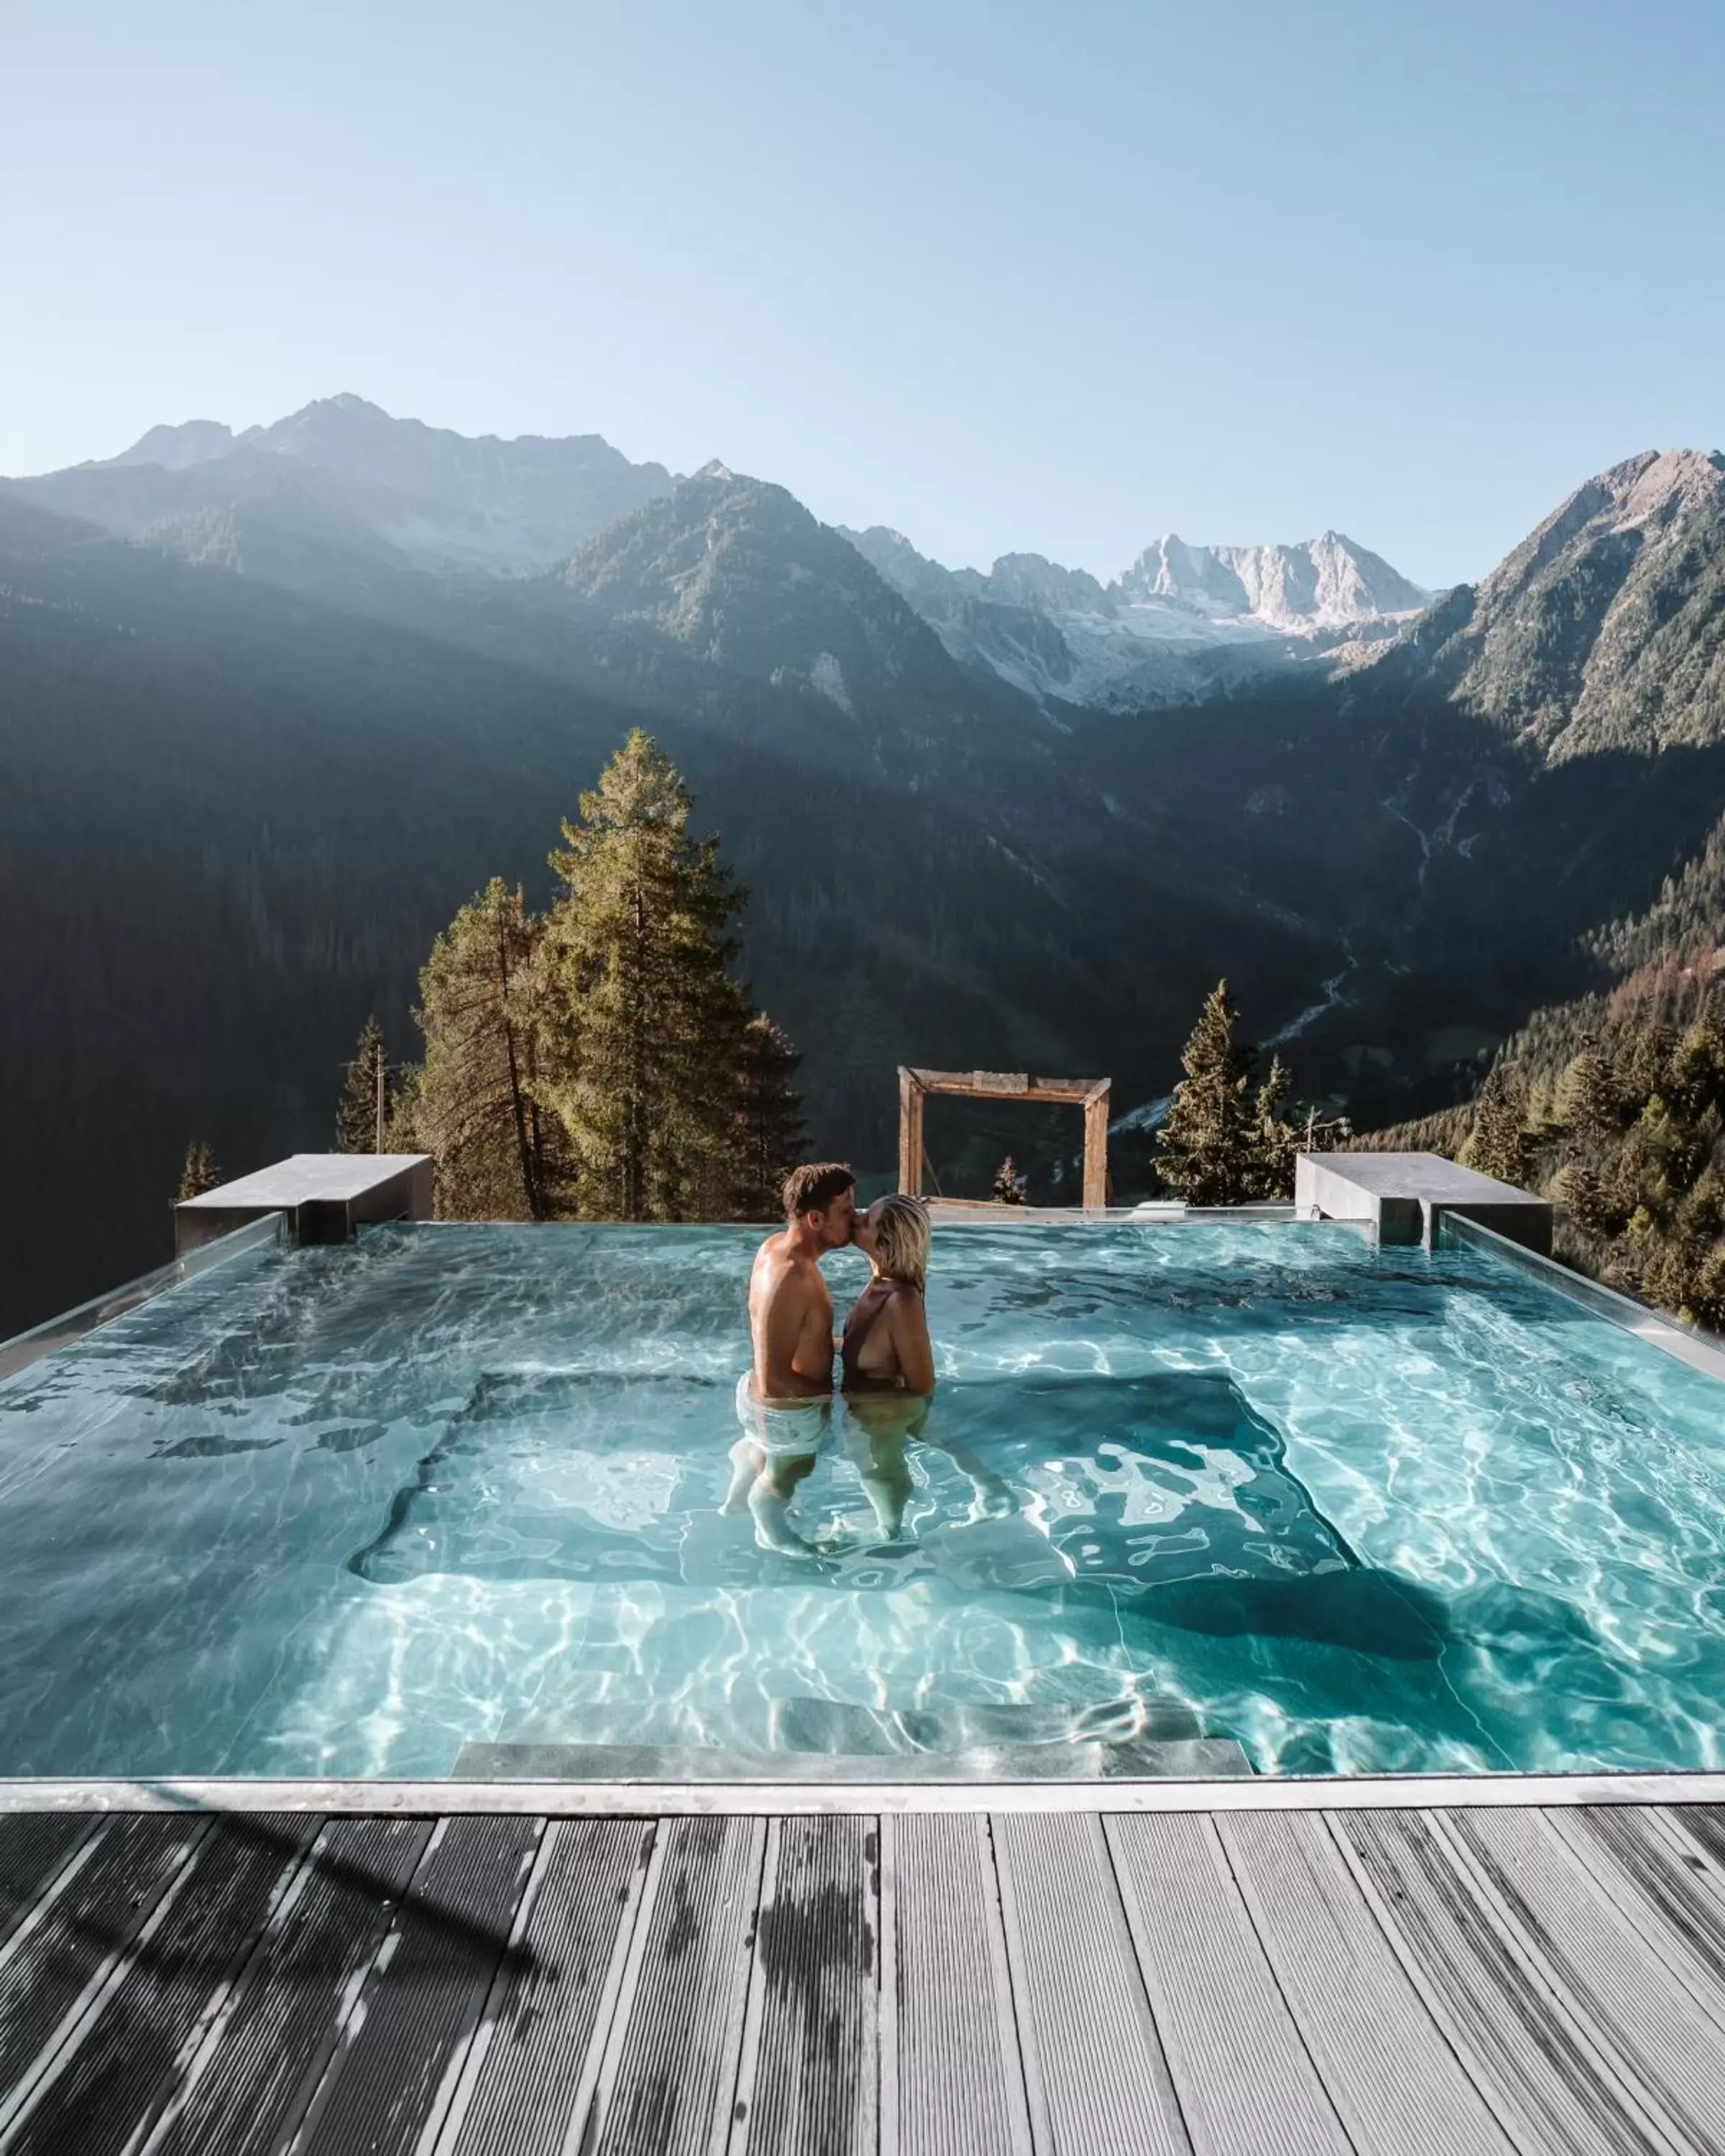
(423, 1799)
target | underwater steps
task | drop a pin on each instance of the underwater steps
(821, 1740)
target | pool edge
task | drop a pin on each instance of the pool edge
(422, 1798)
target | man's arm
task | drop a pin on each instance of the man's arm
(788, 1309)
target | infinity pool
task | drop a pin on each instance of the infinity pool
(458, 1494)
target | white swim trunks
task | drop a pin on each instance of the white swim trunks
(784, 1429)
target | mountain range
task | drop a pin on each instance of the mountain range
(1181, 624)
(1182, 621)
(272, 708)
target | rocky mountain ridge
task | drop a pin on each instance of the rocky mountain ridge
(345, 471)
(1180, 624)
(1603, 629)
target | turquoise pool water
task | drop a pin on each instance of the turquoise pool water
(347, 1511)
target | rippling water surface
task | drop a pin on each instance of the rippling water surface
(345, 1511)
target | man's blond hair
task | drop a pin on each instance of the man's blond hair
(814, 1187)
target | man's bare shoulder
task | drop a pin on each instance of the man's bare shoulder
(773, 1258)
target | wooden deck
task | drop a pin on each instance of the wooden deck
(1489, 1979)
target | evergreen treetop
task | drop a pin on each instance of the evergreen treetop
(647, 1027)
(199, 1174)
(1208, 1149)
(363, 1108)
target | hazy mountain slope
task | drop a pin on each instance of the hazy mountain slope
(1605, 628)
(232, 817)
(346, 470)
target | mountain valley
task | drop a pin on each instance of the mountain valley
(269, 714)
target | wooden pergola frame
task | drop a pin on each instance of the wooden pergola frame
(1090, 1094)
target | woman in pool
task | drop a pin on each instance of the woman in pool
(885, 1347)
(889, 1369)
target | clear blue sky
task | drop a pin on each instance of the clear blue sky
(1055, 277)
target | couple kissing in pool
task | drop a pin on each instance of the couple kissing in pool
(784, 1401)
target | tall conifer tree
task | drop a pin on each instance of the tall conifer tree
(1208, 1148)
(769, 1118)
(648, 1022)
(1500, 1144)
(484, 1010)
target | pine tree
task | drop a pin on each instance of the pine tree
(1009, 1186)
(1498, 1144)
(475, 1105)
(362, 1113)
(769, 1139)
(1586, 1100)
(199, 1174)
(648, 1022)
(1210, 1147)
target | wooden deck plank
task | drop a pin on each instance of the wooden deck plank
(1095, 2074)
(1389, 2069)
(255, 2067)
(534, 2063)
(669, 2071)
(1215, 1997)
(1609, 1978)
(114, 2072)
(62, 1952)
(1554, 2088)
(1698, 1831)
(951, 2083)
(810, 2073)
(34, 1847)
(1676, 1909)
(394, 2065)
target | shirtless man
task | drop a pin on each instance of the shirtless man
(790, 1308)
(783, 1402)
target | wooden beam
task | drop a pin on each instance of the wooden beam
(1095, 1150)
(1007, 1084)
(910, 1131)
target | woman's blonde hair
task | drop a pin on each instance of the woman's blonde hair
(902, 1236)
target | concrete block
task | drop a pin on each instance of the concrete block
(1404, 1195)
(325, 1195)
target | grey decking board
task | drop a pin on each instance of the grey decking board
(809, 2073)
(401, 2048)
(113, 2075)
(536, 2056)
(669, 2071)
(1704, 1826)
(1554, 2089)
(951, 2081)
(54, 1962)
(1608, 1975)
(257, 2066)
(1616, 1922)
(34, 1848)
(1680, 1916)
(1215, 1998)
(1390, 2069)
(1095, 2074)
